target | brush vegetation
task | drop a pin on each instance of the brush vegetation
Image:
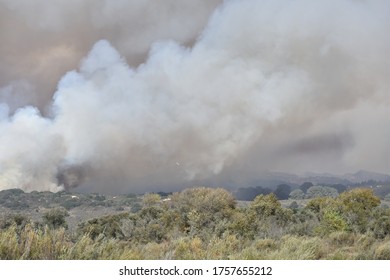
(205, 223)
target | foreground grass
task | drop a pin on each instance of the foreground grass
(29, 243)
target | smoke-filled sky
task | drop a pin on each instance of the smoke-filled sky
(130, 96)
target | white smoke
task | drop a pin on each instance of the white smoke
(285, 85)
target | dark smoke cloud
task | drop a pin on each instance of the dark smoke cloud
(267, 85)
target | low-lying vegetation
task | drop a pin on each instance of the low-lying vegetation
(204, 223)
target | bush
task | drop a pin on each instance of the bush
(151, 199)
(265, 205)
(17, 220)
(331, 221)
(357, 208)
(71, 203)
(267, 217)
(352, 210)
(106, 226)
(293, 205)
(380, 223)
(297, 194)
(55, 218)
(321, 191)
(202, 209)
(319, 203)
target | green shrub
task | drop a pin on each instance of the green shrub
(321, 191)
(55, 218)
(331, 221)
(200, 210)
(17, 219)
(267, 217)
(357, 208)
(107, 226)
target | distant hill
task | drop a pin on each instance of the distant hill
(364, 176)
(273, 179)
(268, 181)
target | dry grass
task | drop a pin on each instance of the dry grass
(30, 243)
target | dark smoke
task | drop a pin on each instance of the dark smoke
(70, 177)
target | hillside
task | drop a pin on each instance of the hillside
(81, 207)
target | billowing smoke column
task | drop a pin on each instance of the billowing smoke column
(41, 40)
(285, 85)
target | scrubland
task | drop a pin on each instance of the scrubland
(206, 223)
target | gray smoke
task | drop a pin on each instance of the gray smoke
(71, 176)
(268, 85)
(41, 40)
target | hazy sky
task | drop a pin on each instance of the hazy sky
(143, 95)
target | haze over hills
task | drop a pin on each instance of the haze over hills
(362, 176)
(272, 179)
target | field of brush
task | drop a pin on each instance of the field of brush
(197, 223)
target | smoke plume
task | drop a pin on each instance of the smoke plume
(267, 85)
